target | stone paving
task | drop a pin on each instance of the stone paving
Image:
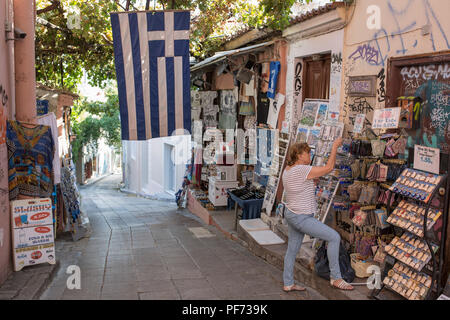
(147, 249)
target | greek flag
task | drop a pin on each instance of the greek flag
(151, 51)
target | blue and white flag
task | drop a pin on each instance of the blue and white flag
(151, 52)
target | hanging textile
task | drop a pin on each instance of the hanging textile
(69, 190)
(50, 120)
(262, 111)
(274, 71)
(30, 160)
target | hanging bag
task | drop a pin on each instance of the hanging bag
(360, 218)
(322, 268)
(378, 147)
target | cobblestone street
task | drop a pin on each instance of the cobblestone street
(148, 249)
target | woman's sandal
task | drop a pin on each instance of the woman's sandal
(294, 287)
(341, 284)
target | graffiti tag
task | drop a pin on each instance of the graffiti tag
(381, 91)
(367, 53)
(298, 78)
(430, 72)
(360, 105)
(3, 95)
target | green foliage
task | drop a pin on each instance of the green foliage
(64, 47)
(94, 120)
(77, 36)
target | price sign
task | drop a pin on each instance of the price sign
(426, 159)
(386, 118)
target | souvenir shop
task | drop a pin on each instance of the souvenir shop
(43, 194)
(387, 196)
(235, 114)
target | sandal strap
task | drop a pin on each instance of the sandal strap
(341, 284)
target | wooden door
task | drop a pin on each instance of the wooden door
(317, 78)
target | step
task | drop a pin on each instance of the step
(260, 232)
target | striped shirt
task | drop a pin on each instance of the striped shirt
(299, 192)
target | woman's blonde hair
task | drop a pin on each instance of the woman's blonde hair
(294, 151)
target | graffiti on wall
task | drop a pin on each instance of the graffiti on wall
(381, 91)
(3, 152)
(432, 84)
(336, 62)
(386, 41)
(429, 72)
(297, 97)
(298, 78)
(3, 113)
(335, 81)
(366, 53)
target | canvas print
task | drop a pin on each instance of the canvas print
(309, 112)
(314, 136)
(302, 134)
(321, 114)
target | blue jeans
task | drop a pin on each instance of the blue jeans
(299, 225)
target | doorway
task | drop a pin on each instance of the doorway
(317, 77)
(169, 168)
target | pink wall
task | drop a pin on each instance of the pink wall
(5, 244)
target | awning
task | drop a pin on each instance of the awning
(222, 55)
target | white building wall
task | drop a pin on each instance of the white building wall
(332, 43)
(144, 165)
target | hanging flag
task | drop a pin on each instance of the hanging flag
(151, 51)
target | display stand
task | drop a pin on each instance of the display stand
(408, 265)
(323, 217)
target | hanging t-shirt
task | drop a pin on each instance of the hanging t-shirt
(274, 110)
(262, 111)
(30, 160)
(50, 120)
(274, 70)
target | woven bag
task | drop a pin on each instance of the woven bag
(360, 266)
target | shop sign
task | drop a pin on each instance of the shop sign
(386, 118)
(42, 107)
(32, 236)
(31, 212)
(359, 123)
(33, 255)
(426, 159)
(364, 86)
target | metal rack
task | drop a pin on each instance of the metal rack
(436, 282)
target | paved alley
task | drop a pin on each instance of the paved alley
(146, 249)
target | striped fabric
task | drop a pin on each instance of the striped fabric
(299, 192)
(151, 52)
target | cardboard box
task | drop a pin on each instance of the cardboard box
(31, 212)
(33, 236)
(34, 255)
(217, 191)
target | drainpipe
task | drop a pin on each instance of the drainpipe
(9, 27)
(24, 57)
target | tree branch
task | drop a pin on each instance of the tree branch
(51, 7)
(127, 7)
(147, 5)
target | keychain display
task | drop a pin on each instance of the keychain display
(410, 216)
(409, 250)
(416, 184)
(410, 284)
